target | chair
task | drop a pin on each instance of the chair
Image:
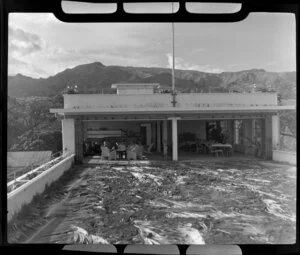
(214, 151)
(131, 155)
(139, 152)
(200, 146)
(149, 149)
(113, 155)
(218, 152)
(135, 152)
(228, 152)
(106, 153)
(122, 151)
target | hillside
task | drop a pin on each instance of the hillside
(32, 127)
(97, 78)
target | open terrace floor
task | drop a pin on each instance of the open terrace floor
(234, 200)
(182, 157)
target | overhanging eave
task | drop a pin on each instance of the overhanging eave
(170, 110)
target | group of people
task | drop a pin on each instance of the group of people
(91, 148)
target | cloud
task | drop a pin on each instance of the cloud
(16, 66)
(271, 63)
(184, 65)
(197, 50)
(40, 19)
(56, 59)
(70, 58)
(22, 43)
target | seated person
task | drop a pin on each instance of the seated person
(131, 151)
(105, 152)
(113, 152)
(121, 146)
(209, 147)
(114, 147)
(149, 148)
(97, 148)
(132, 146)
(139, 151)
(200, 146)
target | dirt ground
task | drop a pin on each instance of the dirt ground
(235, 202)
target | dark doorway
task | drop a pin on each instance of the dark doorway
(144, 135)
(216, 130)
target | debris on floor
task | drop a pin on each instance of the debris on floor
(186, 203)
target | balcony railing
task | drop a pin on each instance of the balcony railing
(23, 179)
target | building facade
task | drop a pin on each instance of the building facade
(160, 120)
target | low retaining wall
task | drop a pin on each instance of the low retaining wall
(24, 194)
(285, 156)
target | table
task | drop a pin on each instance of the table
(227, 147)
(221, 145)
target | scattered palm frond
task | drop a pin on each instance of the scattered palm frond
(81, 236)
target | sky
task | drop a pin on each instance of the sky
(40, 45)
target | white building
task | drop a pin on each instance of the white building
(158, 121)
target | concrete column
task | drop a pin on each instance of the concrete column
(79, 141)
(149, 135)
(68, 135)
(165, 137)
(248, 141)
(231, 131)
(275, 131)
(154, 139)
(174, 140)
(158, 136)
(268, 138)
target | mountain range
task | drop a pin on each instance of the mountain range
(98, 78)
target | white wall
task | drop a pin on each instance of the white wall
(68, 135)
(86, 101)
(24, 194)
(285, 157)
(116, 101)
(235, 99)
(134, 91)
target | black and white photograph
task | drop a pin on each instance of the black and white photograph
(151, 132)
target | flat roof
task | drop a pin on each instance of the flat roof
(117, 85)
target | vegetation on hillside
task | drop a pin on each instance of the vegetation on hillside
(97, 78)
(31, 126)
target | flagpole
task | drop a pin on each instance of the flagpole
(173, 55)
